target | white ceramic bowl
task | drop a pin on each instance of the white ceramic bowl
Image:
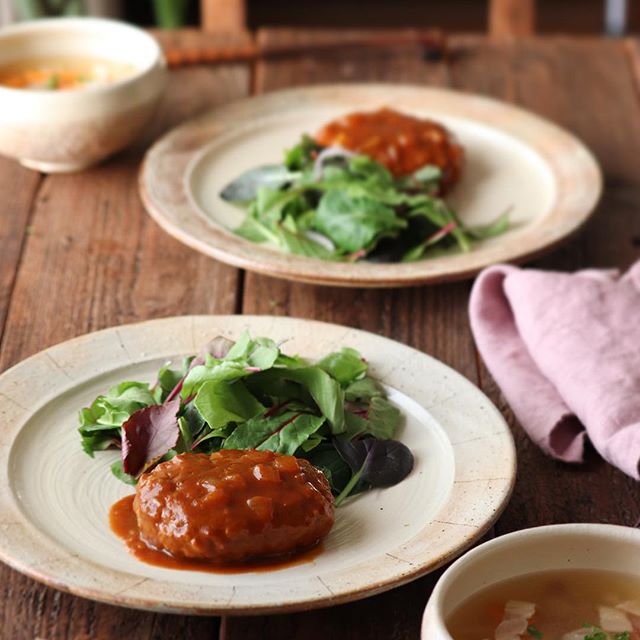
(575, 546)
(59, 131)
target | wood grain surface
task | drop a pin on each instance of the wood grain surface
(511, 18)
(78, 253)
(92, 259)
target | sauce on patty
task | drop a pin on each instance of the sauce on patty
(123, 522)
(230, 508)
(400, 142)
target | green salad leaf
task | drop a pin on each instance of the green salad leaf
(222, 402)
(331, 204)
(100, 422)
(346, 366)
(283, 433)
(354, 222)
(249, 395)
(246, 186)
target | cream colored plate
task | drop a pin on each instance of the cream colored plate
(515, 161)
(54, 500)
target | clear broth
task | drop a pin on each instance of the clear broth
(51, 74)
(565, 601)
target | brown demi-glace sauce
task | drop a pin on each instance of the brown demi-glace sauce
(122, 520)
(400, 142)
(233, 509)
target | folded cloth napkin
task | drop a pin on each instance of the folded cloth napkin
(565, 350)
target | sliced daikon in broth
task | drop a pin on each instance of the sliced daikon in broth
(553, 605)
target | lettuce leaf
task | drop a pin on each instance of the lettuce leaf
(247, 394)
(354, 207)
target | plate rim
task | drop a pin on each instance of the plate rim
(545, 138)
(17, 529)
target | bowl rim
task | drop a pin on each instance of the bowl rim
(80, 23)
(433, 614)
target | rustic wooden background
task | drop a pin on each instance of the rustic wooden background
(78, 253)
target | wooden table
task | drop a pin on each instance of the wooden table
(78, 253)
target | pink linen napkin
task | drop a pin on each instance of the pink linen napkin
(565, 350)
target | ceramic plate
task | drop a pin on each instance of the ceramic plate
(54, 500)
(515, 161)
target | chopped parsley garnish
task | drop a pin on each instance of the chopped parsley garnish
(592, 632)
(596, 633)
(53, 81)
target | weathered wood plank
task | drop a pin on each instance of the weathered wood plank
(395, 615)
(432, 319)
(95, 259)
(398, 64)
(540, 75)
(18, 187)
(417, 316)
(632, 46)
(223, 15)
(195, 46)
(511, 18)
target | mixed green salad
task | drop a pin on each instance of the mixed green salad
(249, 395)
(329, 203)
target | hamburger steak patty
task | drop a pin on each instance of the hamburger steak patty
(233, 506)
(400, 142)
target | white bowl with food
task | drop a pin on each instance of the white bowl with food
(558, 582)
(75, 90)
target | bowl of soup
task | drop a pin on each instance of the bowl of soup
(75, 90)
(558, 582)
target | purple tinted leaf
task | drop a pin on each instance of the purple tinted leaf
(148, 434)
(218, 348)
(390, 462)
(178, 388)
(382, 463)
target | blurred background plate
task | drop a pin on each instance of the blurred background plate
(515, 161)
